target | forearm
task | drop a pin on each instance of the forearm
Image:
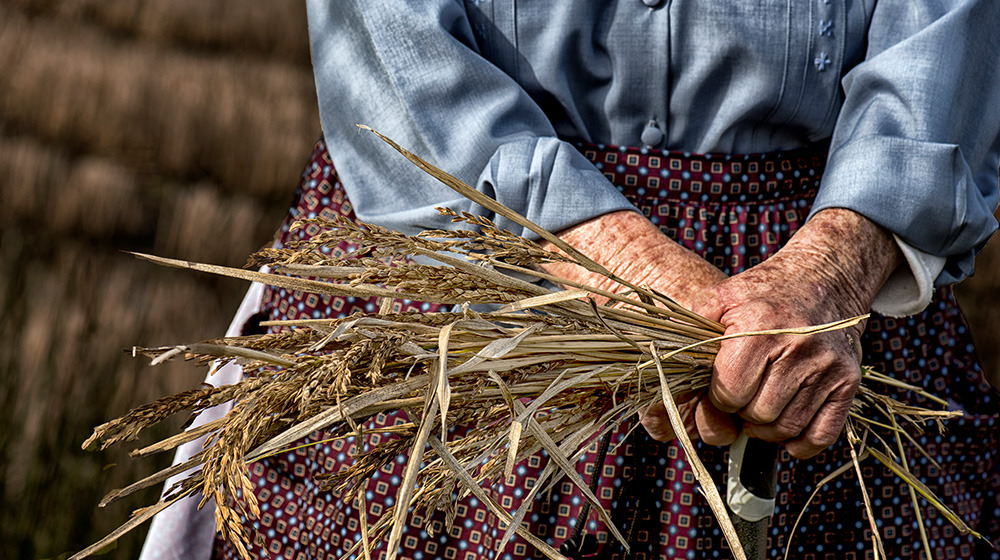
(633, 248)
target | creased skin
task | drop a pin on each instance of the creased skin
(795, 390)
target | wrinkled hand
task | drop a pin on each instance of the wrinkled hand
(630, 246)
(633, 248)
(792, 389)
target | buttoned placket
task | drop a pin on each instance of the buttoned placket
(827, 33)
(650, 40)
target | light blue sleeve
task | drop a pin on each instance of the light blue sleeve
(412, 71)
(916, 146)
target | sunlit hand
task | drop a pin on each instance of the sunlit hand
(629, 245)
(795, 389)
(633, 248)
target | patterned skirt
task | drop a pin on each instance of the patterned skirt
(735, 211)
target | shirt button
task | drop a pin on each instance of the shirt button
(651, 3)
(651, 136)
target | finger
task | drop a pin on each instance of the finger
(739, 369)
(654, 419)
(823, 431)
(806, 367)
(707, 304)
(714, 426)
(777, 389)
(793, 419)
(657, 423)
(687, 410)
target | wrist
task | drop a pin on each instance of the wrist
(846, 256)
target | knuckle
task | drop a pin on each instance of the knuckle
(725, 399)
(716, 438)
(801, 450)
(808, 447)
(788, 428)
(657, 429)
(760, 414)
(826, 439)
(729, 393)
(827, 358)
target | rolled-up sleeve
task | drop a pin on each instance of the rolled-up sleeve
(916, 146)
(412, 70)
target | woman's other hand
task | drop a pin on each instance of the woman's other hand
(792, 389)
(633, 248)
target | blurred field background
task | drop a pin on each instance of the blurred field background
(177, 127)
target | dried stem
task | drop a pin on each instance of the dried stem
(549, 371)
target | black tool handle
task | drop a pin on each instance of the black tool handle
(759, 474)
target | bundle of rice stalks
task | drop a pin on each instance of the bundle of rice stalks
(520, 366)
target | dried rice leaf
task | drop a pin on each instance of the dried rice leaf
(174, 441)
(409, 481)
(546, 299)
(926, 493)
(156, 478)
(138, 518)
(496, 349)
(456, 467)
(333, 414)
(913, 496)
(852, 439)
(704, 478)
(440, 382)
(556, 454)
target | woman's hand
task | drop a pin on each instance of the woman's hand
(792, 389)
(633, 248)
(796, 390)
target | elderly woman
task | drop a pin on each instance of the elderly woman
(768, 164)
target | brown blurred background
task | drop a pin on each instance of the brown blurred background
(177, 127)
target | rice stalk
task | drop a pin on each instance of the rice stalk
(913, 497)
(852, 440)
(709, 490)
(536, 370)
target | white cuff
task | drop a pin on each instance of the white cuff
(741, 500)
(909, 289)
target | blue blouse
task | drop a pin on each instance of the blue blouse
(492, 90)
